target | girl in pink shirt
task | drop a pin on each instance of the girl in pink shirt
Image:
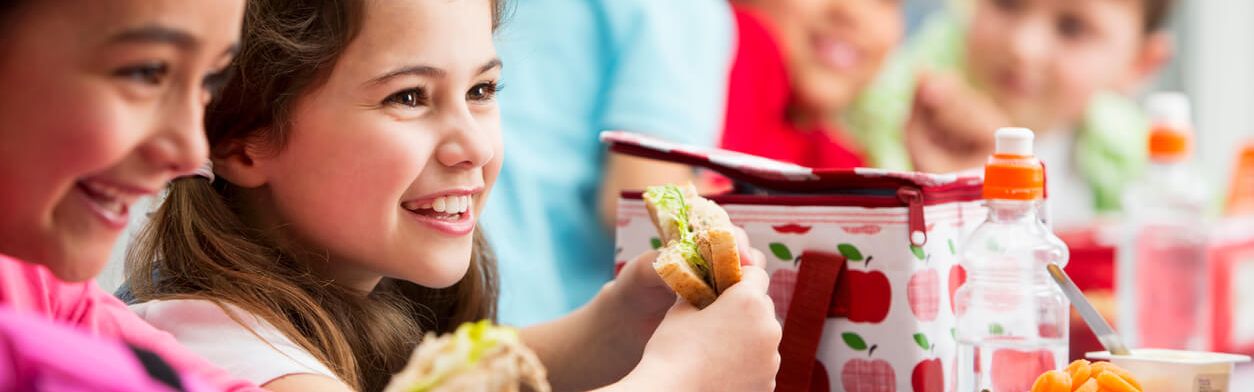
(102, 104)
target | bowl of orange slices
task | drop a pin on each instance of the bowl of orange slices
(1177, 370)
(1084, 376)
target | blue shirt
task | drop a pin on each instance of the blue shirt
(572, 69)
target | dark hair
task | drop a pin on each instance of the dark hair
(1156, 14)
(198, 246)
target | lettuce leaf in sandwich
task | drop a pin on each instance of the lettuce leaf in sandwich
(478, 356)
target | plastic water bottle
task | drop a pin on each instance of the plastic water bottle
(1012, 320)
(1162, 269)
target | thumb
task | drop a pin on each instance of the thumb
(753, 279)
(680, 307)
(748, 255)
(642, 268)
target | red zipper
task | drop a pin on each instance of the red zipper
(915, 199)
(912, 197)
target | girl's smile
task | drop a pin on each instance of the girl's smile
(450, 212)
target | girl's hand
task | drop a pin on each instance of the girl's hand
(731, 345)
(605, 340)
(638, 299)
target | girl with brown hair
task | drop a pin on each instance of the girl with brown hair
(352, 151)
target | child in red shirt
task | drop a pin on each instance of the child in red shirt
(798, 63)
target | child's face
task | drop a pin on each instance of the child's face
(833, 48)
(407, 123)
(1041, 60)
(102, 104)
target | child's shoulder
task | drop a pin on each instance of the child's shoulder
(241, 342)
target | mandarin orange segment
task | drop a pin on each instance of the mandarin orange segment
(1080, 373)
(1077, 363)
(1052, 381)
(1101, 367)
(1126, 376)
(1088, 386)
(1110, 381)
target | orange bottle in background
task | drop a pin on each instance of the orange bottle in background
(1241, 191)
(1162, 268)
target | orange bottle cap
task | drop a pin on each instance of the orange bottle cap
(1241, 196)
(1013, 173)
(1169, 143)
(1171, 136)
(1014, 177)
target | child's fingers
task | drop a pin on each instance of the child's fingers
(756, 258)
(935, 89)
(748, 255)
(753, 279)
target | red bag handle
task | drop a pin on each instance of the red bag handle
(813, 295)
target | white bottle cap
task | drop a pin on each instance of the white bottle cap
(1015, 141)
(1169, 108)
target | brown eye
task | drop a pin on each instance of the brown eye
(149, 73)
(483, 92)
(409, 97)
(1071, 27)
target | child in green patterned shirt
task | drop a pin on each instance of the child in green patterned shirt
(1064, 68)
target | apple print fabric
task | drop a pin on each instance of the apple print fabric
(897, 298)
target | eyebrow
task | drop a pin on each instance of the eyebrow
(156, 34)
(429, 71)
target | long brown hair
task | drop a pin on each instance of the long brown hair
(199, 246)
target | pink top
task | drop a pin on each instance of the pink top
(32, 289)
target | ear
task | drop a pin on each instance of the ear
(241, 163)
(1157, 49)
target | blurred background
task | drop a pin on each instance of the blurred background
(1212, 65)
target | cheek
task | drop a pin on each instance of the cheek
(70, 124)
(58, 130)
(884, 29)
(344, 186)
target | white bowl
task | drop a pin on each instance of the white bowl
(1176, 370)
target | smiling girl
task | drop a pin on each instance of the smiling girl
(102, 104)
(352, 154)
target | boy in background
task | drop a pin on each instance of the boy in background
(1064, 68)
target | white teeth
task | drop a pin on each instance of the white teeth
(454, 204)
(107, 197)
(446, 204)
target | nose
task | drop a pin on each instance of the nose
(465, 143)
(1029, 43)
(178, 145)
(841, 12)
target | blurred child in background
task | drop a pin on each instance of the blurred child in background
(797, 61)
(1062, 68)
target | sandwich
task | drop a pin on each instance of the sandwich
(477, 357)
(700, 258)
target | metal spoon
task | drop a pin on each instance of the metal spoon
(1105, 334)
